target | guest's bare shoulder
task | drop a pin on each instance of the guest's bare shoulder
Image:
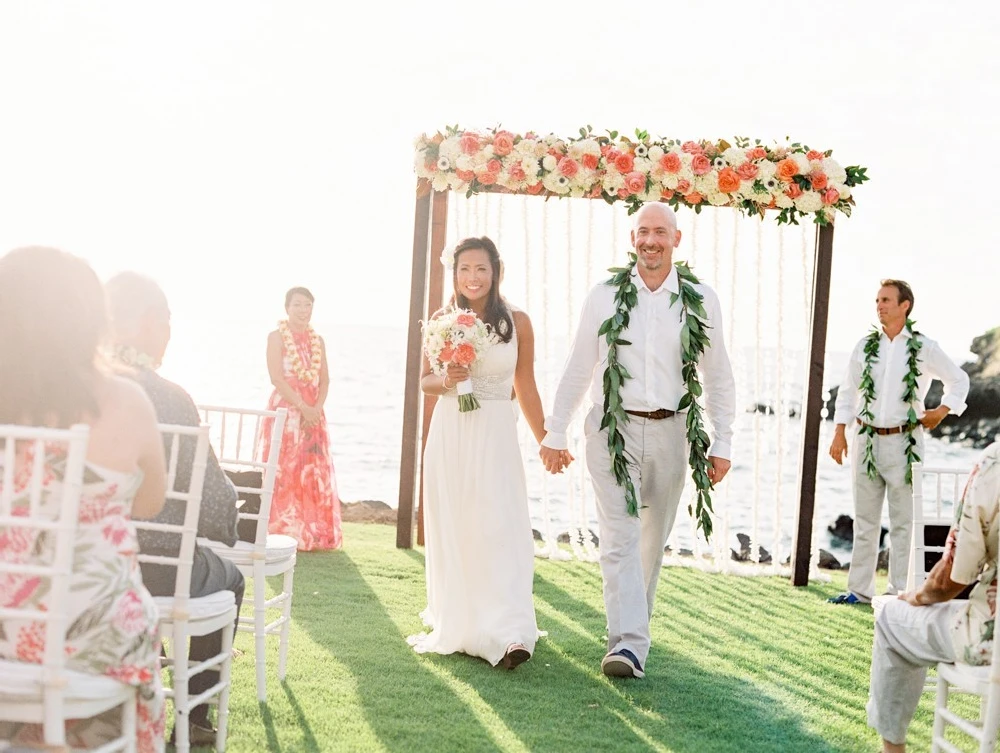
(119, 394)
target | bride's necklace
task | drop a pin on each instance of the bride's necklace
(304, 374)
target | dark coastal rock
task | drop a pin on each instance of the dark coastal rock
(979, 425)
(744, 554)
(537, 535)
(769, 410)
(843, 529)
(882, 565)
(827, 561)
(367, 511)
(680, 552)
(563, 538)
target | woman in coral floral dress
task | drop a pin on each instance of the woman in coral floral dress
(52, 317)
(305, 504)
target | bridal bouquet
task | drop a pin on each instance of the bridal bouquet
(458, 337)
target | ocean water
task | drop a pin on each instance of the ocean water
(223, 362)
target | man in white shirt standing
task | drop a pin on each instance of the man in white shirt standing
(655, 440)
(882, 396)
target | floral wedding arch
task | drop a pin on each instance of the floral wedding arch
(790, 181)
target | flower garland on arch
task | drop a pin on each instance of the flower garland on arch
(792, 179)
(304, 374)
(694, 340)
(871, 348)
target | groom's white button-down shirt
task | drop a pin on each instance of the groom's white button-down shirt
(888, 371)
(653, 359)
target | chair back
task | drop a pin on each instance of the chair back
(991, 704)
(41, 479)
(936, 492)
(240, 435)
(188, 495)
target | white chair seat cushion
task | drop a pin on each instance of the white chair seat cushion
(279, 547)
(21, 682)
(201, 608)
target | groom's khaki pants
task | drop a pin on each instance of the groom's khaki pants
(632, 548)
(869, 496)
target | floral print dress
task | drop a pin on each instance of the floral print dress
(113, 620)
(305, 504)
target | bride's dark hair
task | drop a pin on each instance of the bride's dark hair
(496, 313)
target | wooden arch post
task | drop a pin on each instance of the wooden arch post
(426, 296)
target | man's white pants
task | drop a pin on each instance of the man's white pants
(869, 494)
(632, 548)
(908, 640)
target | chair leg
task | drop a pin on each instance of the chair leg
(224, 677)
(260, 628)
(181, 648)
(941, 702)
(286, 625)
(129, 729)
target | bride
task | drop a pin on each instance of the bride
(479, 549)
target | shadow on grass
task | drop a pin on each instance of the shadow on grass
(406, 705)
(680, 704)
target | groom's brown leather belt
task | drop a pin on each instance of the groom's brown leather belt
(654, 414)
(880, 432)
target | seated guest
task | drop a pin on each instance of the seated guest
(920, 629)
(140, 319)
(52, 319)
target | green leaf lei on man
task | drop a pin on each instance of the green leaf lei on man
(867, 387)
(694, 340)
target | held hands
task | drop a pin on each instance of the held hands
(455, 375)
(311, 414)
(838, 448)
(933, 417)
(555, 461)
(718, 469)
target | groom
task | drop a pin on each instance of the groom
(655, 440)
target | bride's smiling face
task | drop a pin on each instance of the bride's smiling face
(473, 274)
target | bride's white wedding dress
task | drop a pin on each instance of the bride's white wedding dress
(479, 546)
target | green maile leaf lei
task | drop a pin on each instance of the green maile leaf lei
(867, 388)
(694, 340)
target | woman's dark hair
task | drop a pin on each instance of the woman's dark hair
(53, 318)
(496, 313)
(298, 291)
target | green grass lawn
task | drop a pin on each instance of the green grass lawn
(737, 664)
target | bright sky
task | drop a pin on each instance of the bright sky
(233, 149)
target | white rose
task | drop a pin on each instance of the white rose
(766, 169)
(530, 165)
(464, 162)
(669, 181)
(549, 162)
(642, 165)
(450, 148)
(802, 161)
(717, 199)
(844, 191)
(735, 156)
(656, 153)
(783, 202)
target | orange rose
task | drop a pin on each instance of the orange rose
(517, 172)
(694, 198)
(683, 187)
(747, 171)
(831, 196)
(818, 180)
(469, 143)
(787, 169)
(535, 189)
(590, 161)
(758, 152)
(465, 354)
(466, 320)
(635, 182)
(793, 191)
(691, 147)
(569, 167)
(670, 162)
(466, 175)
(729, 181)
(812, 155)
(494, 166)
(624, 163)
(700, 164)
(503, 143)
(487, 178)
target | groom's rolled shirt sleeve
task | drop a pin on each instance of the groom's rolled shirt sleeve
(576, 378)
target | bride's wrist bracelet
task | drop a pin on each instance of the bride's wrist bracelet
(444, 383)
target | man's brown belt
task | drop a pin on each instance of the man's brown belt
(654, 414)
(883, 432)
